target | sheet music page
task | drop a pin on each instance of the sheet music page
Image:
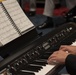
(17, 14)
(7, 31)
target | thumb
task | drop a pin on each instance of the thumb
(63, 49)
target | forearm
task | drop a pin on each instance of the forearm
(71, 64)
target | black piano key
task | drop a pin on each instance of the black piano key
(36, 66)
(32, 68)
(46, 55)
(39, 63)
(48, 52)
(42, 60)
(68, 42)
(25, 73)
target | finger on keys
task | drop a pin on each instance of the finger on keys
(51, 58)
(52, 61)
(62, 46)
(63, 49)
(53, 55)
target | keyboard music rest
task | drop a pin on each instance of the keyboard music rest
(18, 43)
(35, 54)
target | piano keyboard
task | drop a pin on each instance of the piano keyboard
(43, 71)
(44, 68)
(32, 60)
(40, 67)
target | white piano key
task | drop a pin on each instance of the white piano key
(45, 69)
(74, 43)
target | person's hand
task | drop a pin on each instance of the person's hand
(57, 57)
(68, 48)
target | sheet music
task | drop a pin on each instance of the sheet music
(7, 31)
(18, 16)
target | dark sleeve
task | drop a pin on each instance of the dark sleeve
(70, 63)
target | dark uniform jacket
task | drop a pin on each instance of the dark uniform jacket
(70, 64)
